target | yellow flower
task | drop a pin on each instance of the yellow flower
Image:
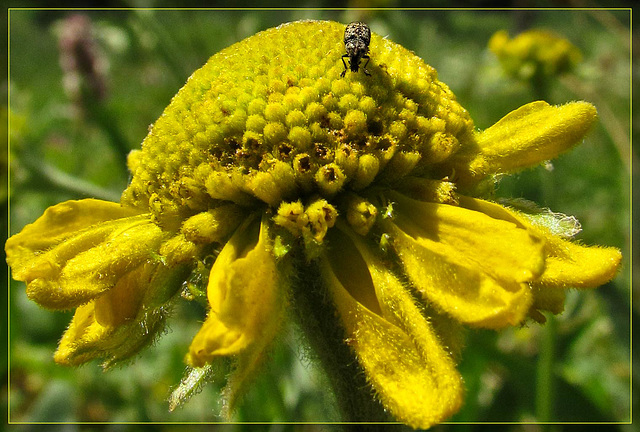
(351, 201)
(534, 53)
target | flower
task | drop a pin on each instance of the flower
(534, 54)
(358, 202)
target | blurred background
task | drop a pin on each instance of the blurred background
(85, 86)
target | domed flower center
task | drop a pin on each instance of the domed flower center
(257, 124)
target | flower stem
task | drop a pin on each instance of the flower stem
(320, 323)
(544, 381)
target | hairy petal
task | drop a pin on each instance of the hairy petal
(470, 265)
(62, 221)
(91, 245)
(247, 305)
(124, 319)
(404, 360)
(119, 322)
(243, 295)
(523, 138)
(502, 249)
(572, 265)
(90, 336)
(59, 223)
(568, 264)
(105, 260)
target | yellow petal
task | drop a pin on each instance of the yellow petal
(571, 265)
(122, 320)
(102, 258)
(92, 272)
(59, 222)
(64, 219)
(83, 328)
(403, 359)
(243, 295)
(83, 258)
(122, 302)
(568, 264)
(505, 250)
(470, 265)
(523, 138)
(111, 337)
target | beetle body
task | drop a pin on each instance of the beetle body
(357, 37)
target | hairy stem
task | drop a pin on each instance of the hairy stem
(320, 322)
(544, 384)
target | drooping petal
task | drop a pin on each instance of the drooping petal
(79, 249)
(119, 322)
(502, 249)
(90, 336)
(405, 362)
(568, 264)
(474, 267)
(122, 302)
(571, 265)
(243, 295)
(64, 220)
(523, 138)
(59, 223)
(106, 260)
(247, 307)
(82, 330)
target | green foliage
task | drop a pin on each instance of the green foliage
(65, 145)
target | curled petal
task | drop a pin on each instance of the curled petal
(64, 220)
(403, 359)
(122, 302)
(103, 259)
(503, 249)
(246, 309)
(571, 265)
(79, 249)
(118, 323)
(523, 138)
(243, 295)
(464, 291)
(59, 223)
(82, 332)
(568, 264)
(92, 334)
(472, 266)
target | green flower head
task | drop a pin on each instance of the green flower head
(282, 178)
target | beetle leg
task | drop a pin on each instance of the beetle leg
(345, 65)
(364, 68)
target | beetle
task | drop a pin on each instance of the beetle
(357, 37)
